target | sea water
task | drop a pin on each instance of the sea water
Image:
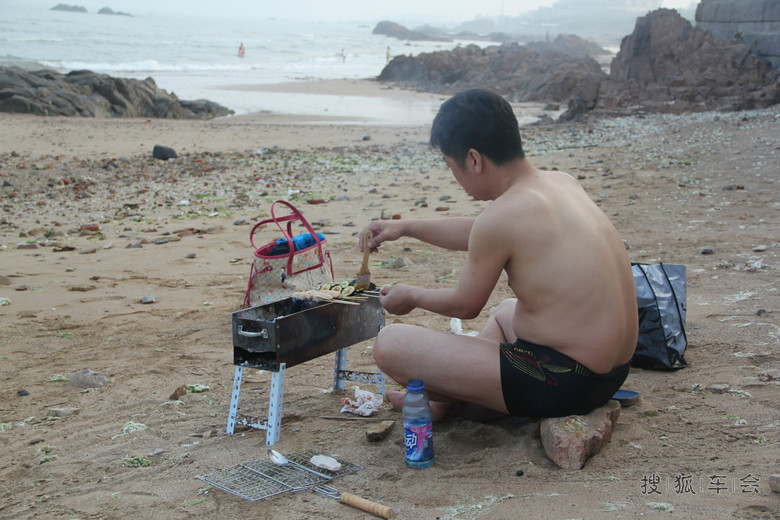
(196, 57)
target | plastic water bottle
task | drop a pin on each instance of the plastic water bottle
(418, 426)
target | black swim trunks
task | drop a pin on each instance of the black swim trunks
(538, 381)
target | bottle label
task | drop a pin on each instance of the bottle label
(419, 442)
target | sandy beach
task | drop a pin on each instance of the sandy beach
(91, 225)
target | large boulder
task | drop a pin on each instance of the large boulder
(515, 71)
(69, 8)
(395, 30)
(668, 65)
(88, 94)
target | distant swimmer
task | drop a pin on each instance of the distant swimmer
(343, 56)
(241, 50)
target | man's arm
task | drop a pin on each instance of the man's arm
(488, 253)
(448, 233)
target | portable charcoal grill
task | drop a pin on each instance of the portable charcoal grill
(289, 332)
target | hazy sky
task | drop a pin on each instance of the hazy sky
(444, 11)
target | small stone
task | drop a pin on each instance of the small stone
(149, 298)
(82, 288)
(759, 249)
(190, 255)
(379, 431)
(706, 251)
(519, 473)
(88, 378)
(718, 388)
(366, 137)
(571, 441)
(4, 280)
(770, 374)
(179, 392)
(26, 245)
(21, 288)
(163, 152)
(397, 263)
(22, 393)
(774, 482)
(761, 312)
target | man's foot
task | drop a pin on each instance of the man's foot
(438, 409)
(468, 411)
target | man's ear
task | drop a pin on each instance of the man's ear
(474, 160)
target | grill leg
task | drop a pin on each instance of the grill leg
(339, 366)
(231, 425)
(275, 406)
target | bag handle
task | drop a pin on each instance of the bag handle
(288, 234)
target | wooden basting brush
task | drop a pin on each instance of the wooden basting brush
(363, 278)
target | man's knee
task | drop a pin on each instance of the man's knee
(387, 342)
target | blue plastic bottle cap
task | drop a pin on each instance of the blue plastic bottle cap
(415, 384)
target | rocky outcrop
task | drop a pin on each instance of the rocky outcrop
(515, 71)
(69, 8)
(755, 23)
(88, 94)
(665, 65)
(108, 10)
(395, 30)
(571, 45)
(668, 65)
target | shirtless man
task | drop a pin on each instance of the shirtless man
(564, 344)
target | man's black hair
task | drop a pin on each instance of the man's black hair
(478, 119)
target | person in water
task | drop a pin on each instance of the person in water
(241, 50)
(564, 343)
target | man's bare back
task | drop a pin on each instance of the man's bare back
(563, 257)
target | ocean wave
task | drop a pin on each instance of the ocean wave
(143, 66)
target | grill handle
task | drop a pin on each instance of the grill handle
(247, 334)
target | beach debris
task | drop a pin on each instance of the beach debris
(63, 412)
(456, 327)
(365, 403)
(760, 248)
(379, 431)
(132, 427)
(163, 152)
(88, 378)
(197, 389)
(660, 506)
(325, 462)
(706, 251)
(149, 298)
(570, 441)
(4, 302)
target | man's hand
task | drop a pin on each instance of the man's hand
(397, 299)
(383, 230)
